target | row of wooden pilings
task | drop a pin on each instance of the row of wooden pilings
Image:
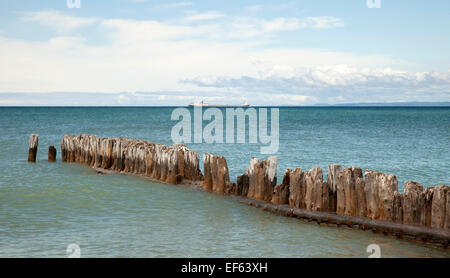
(33, 148)
(360, 199)
(347, 197)
(345, 192)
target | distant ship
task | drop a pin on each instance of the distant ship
(205, 104)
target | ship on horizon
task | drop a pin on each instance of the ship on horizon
(205, 104)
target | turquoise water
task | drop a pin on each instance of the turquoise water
(44, 207)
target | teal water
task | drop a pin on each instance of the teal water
(44, 207)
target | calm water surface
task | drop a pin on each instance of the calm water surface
(44, 207)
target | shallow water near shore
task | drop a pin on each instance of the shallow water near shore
(44, 207)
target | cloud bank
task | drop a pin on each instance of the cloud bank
(207, 55)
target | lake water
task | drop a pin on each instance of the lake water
(44, 207)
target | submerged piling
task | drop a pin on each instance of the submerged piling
(33, 147)
(52, 154)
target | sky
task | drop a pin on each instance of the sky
(148, 52)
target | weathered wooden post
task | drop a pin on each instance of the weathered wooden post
(52, 154)
(32, 151)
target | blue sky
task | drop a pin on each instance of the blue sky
(137, 52)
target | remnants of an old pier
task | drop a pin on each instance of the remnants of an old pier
(349, 197)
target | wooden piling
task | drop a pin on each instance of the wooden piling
(33, 147)
(52, 154)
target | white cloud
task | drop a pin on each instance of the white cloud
(174, 5)
(204, 16)
(188, 62)
(58, 21)
(336, 83)
(323, 22)
(134, 31)
(281, 24)
(276, 6)
(246, 27)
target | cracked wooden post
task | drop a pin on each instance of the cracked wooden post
(216, 176)
(33, 147)
(332, 181)
(411, 212)
(348, 206)
(281, 191)
(52, 154)
(314, 185)
(361, 204)
(242, 184)
(297, 188)
(438, 210)
(425, 203)
(262, 178)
